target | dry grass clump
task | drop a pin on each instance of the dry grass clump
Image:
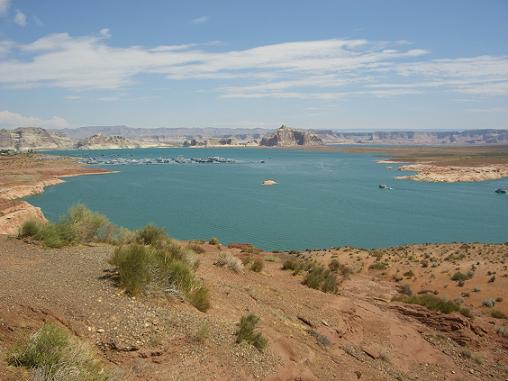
(228, 260)
(435, 303)
(52, 355)
(496, 314)
(257, 265)
(247, 332)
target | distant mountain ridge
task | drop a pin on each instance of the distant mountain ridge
(26, 138)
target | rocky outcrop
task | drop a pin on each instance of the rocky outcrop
(32, 138)
(99, 141)
(287, 137)
(454, 174)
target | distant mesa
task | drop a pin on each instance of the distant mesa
(33, 138)
(99, 141)
(287, 137)
(269, 182)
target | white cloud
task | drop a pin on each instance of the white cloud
(105, 32)
(200, 20)
(12, 120)
(320, 69)
(4, 6)
(20, 18)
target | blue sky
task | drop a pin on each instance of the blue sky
(309, 64)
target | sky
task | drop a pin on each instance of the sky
(322, 64)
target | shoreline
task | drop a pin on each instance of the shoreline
(14, 211)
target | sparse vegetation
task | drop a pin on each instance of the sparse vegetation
(79, 225)
(337, 267)
(378, 266)
(496, 314)
(214, 241)
(226, 259)
(257, 265)
(151, 235)
(460, 277)
(435, 303)
(321, 279)
(51, 354)
(247, 332)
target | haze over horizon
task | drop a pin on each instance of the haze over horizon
(341, 65)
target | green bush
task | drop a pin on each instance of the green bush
(213, 241)
(199, 298)
(80, 224)
(460, 277)
(246, 332)
(166, 267)
(337, 267)
(30, 228)
(496, 314)
(135, 264)
(257, 265)
(151, 235)
(51, 354)
(378, 266)
(435, 303)
(321, 279)
(87, 225)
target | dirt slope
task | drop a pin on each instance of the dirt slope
(356, 334)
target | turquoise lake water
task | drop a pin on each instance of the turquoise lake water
(321, 200)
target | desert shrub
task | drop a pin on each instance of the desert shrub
(246, 332)
(214, 241)
(135, 264)
(489, 303)
(198, 249)
(199, 298)
(168, 267)
(51, 354)
(230, 261)
(378, 266)
(496, 314)
(56, 235)
(151, 235)
(30, 228)
(270, 258)
(321, 279)
(435, 303)
(337, 267)
(202, 334)
(257, 265)
(460, 277)
(87, 225)
(329, 283)
(409, 274)
(296, 265)
(472, 356)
